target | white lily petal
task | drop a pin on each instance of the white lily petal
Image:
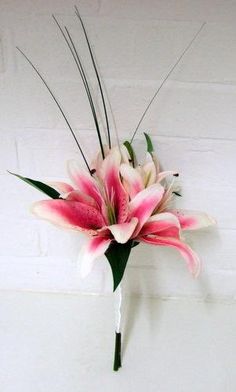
(96, 247)
(193, 220)
(162, 175)
(123, 232)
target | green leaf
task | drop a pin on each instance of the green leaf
(130, 150)
(117, 255)
(177, 193)
(150, 148)
(51, 192)
(135, 243)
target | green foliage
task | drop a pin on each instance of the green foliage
(117, 255)
(150, 148)
(49, 191)
(177, 193)
(130, 150)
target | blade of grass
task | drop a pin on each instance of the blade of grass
(130, 151)
(96, 72)
(57, 103)
(165, 79)
(48, 190)
(150, 148)
(71, 46)
(94, 111)
(83, 77)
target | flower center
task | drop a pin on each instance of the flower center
(111, 214)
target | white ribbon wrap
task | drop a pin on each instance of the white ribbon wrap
(118, 303)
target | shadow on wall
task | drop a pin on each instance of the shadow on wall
(160, 272)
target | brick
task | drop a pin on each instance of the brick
(16, 8)
(16, 198)
(112, 42)
(60, 243)
(211, 58)
(214, 247)
(200, 163)
(152, 282)
(19, 238)
(2, 68)
(58, 146)
(46, 274)
(33, 107)
(192, 123)
(158, 45)
(202, 10)
(8, 156)
(180, 109)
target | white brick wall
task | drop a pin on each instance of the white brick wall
(193, 123)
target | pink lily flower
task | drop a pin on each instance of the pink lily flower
(140, 177)
(118, 203)
(101, 207)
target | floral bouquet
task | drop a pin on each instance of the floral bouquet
(114, 200)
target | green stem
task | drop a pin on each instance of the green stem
(117, 355)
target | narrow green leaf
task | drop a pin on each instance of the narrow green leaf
(96, 72)
(51, 192)
(177, 193)
(130, 150)
(56, 102)
(150, 148)
(117, 255)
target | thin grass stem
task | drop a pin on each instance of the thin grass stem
(97, 74)
(165, 79)
(83, 76)
(79, 66)
(57, 103)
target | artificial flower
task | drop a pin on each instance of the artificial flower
(115, 205)
(118, 202)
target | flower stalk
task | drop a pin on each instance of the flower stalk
(117, 354)
(120, 203)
